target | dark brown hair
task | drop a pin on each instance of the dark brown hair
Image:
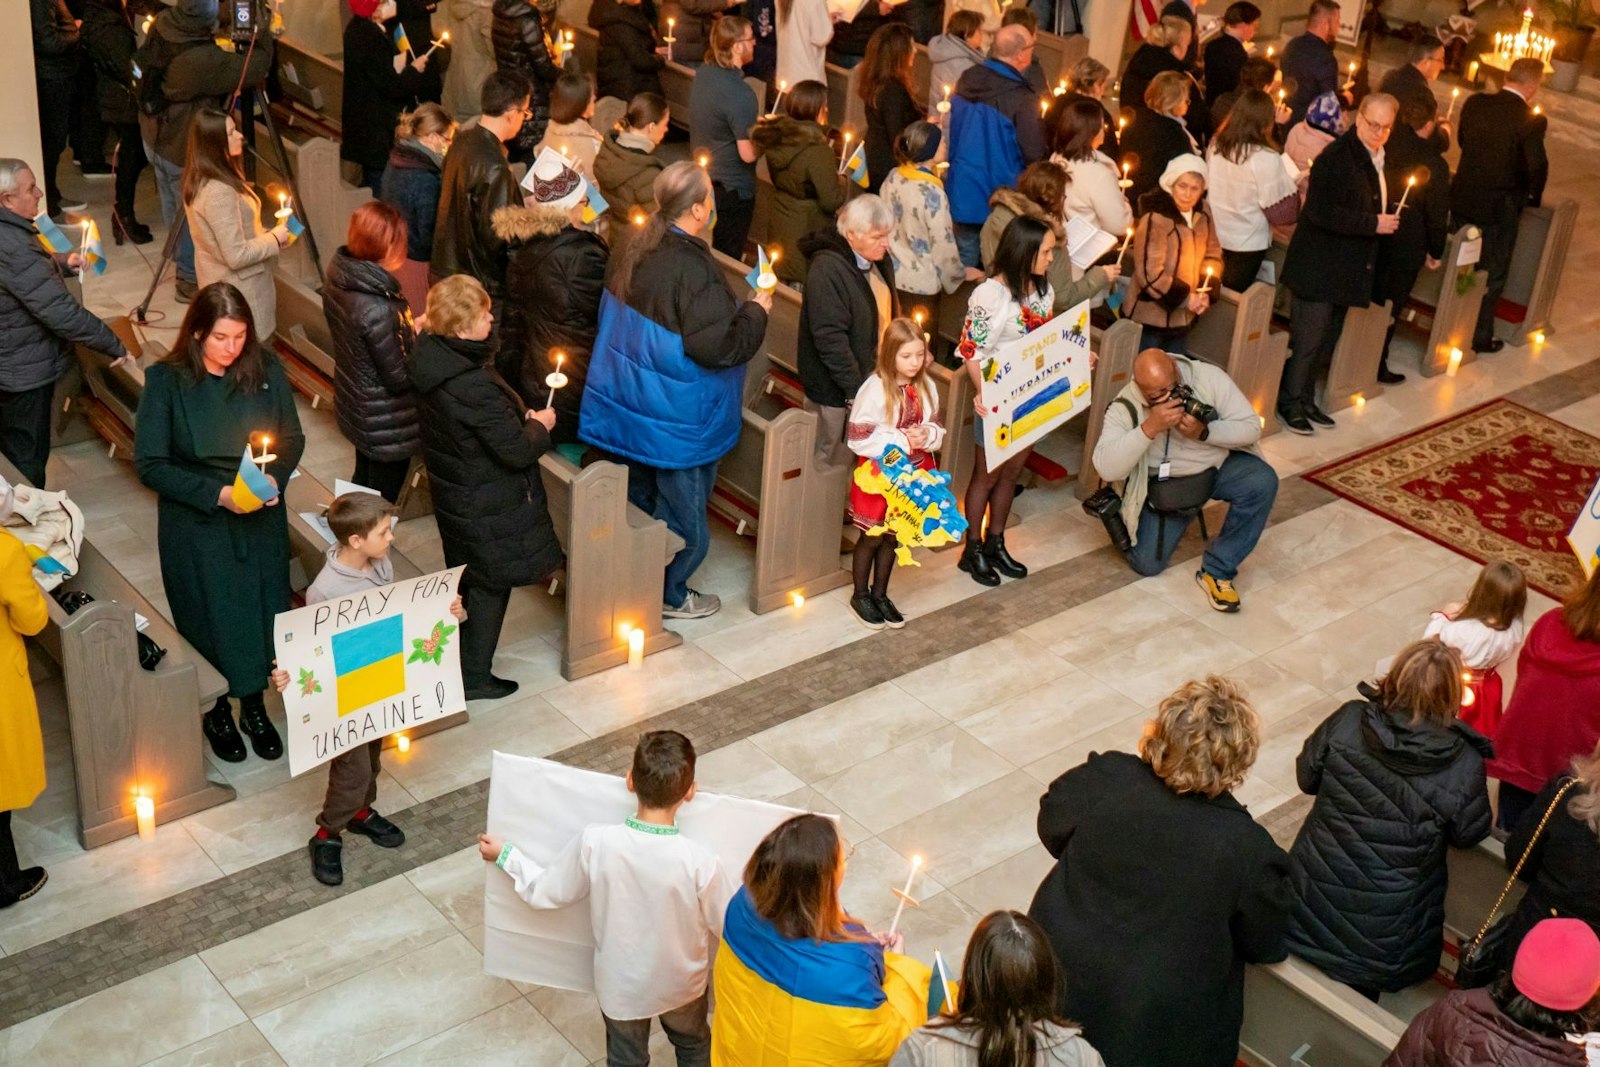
(1247, 127)
(1424, 681)
(207, 157)
(663, 768)
(1045, 183)
(377, 231)
(570, 97)
(1241, 13)
(793, 880)
(1075, 128)
(218, 301)
(356, 515)
(1009, 985)
(1581, 612)
(963, 24)
(1498, 597)
(890, 51)
(1258, 72)
(645, 109)
(805, 100)
(1020, 16)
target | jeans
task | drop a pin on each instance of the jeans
(678, 498)
(169, 179)
(735, 213)
(628, 1040)
(387, 476)
(1499, 240)
(55, 125)
(1166, 338)
(1249, 485)
(25, 430)
(1314, 333)
(967, 243)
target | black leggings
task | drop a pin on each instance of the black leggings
(873, 562)
(387, 476)
(992, 491)
(9, 868)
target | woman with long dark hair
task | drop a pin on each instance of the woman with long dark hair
(230, 244)
(1249, 189)
(1015, 300)
(807, 187)
(1078, 141)
(885, 88)
(225, 569)
(1040, 194)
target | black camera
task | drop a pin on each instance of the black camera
(1193, 406)
(1106, 506)
(241, 20)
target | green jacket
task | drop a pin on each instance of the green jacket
(806, 184)
(1007, 204)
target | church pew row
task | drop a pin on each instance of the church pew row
(1544, 236)
(1447, 300)
(1236, 334)
(310, 78)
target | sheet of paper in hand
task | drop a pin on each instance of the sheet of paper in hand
(365, 666)
(1035, 384)
(540, 806)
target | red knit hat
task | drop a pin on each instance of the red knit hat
(1558, 964)
(363, 9)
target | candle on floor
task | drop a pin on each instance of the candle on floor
(797, 599)
(635, 647)
(144, 813)
(1455, 363)
(1538, 337)
(402, 743)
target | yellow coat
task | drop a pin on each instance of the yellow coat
(21, 747)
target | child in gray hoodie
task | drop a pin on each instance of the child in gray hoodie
(358, 561)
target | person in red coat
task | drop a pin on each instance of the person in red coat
(1554, 712)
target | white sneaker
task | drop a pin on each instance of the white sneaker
(694, 606)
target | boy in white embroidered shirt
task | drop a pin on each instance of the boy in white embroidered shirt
(656, 904)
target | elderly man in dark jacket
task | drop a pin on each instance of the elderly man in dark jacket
(39, 323)
(1333, 255)
(849, 299)
(1412, 83)
(1412, 153)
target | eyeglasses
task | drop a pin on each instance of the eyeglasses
(1373, 126)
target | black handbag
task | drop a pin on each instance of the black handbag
(1186, 493)
(150, 653)
(1483, 958)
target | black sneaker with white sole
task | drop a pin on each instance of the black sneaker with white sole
(865, 608)
(891, 614)
(1318, 416)
(1295, 422)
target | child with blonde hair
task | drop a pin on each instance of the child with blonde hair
(896, 406)
(1486, 631)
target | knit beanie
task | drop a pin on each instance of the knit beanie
(363, 9)
(1188, 163)
(1558, 964)
(1325, 114)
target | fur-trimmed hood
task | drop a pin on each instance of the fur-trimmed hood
(1017, 204)
(512, 223)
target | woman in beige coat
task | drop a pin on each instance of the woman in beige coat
(1177, 260)
(230, 244)
(22, 607)
(470, 24)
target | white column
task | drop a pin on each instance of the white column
(19, 118)
(1107, 24)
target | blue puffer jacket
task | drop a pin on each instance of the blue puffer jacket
(666, 385)
(995, 131)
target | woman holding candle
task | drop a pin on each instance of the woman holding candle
(1078, 143)
(378, 84)
(807, 185)
(230, 244)
(1156, 135)
(627, 163)
(1249, 189)
(1176, 257)
(1164, 50)
(885, 88)
(1040, 194)
(1412, 164)
(569, 132)
(524, 36)
(927, 261)
(225, 570)
(798, 980)
(22, 605)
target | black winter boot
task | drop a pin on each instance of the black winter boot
(994, 546)
(218, 727)
(976, 563)
(255, 724)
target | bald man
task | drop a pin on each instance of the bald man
(995, 131)
(1168, 458)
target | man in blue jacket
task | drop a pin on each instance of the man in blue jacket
(995, 130)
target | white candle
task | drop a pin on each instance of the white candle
(943, 106)
(283, 211)
(144, 813)
(635, 647)
(402, 743)
(1455, 98)
(555, 380)
(266, 456)
(444, 39)
(904, 894)
(797, 599)
(1126, 238)
(845, 158)
(1455, 363)
(671, 40)
(783, 87)
(1206, 288)
(1410, 183)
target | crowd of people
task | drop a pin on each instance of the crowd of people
(479, 271)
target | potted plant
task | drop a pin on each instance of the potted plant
(1574, 27)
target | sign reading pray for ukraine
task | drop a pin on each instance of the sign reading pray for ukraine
(1035, 384)
(365, 666)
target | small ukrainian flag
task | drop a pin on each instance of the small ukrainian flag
(51, 237)
(251, 489)
(402, 43)
(856, 165)
(941, 990)
(594, 205)
(94, 253)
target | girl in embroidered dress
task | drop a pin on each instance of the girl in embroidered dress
(896, 406)
(1016, 300)
(1487, 630)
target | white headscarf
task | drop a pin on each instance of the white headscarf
(1181, 165)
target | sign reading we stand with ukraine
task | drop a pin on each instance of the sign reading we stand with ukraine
(1035, 384)
(365, 666)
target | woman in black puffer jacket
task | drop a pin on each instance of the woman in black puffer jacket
(525, 41)
(370, 322)
(1398, 780)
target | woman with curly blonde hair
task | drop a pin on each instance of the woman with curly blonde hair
(1164, 887)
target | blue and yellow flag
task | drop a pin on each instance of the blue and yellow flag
(941, 990)
(51, 237)
(94, 253)
(594, 205)
(251, 489)
(402, 43)
(369, 663)
(856, 165)
(762, 269)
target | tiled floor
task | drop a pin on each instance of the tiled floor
(938, 754)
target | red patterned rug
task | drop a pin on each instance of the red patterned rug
(1496, 482)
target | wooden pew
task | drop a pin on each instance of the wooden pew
(1446, 300)
(1353, 371)
(1236, 334)
(310, 78)
(131, 729)
(1544, 236)
(1117, 348)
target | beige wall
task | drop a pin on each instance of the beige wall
(19, 114)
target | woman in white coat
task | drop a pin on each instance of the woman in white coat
(804, 29)
(1094, 194)
(1250, 188)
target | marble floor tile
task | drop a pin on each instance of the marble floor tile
(1281, 612)
(449, 759)
(1281, 743)
(913, 778)
(238, 1046)
(343, 939)
(743, 770)
(511, 1035)
(1273, 692)
(128, 1024)
(1319, 535)
(1585, 414)
(846, 732)
(1121, 736)
(1147, 671)
(983, 676)
(1009, 884)
(1106, 624)
(1047, 717)
(974, 832)
(401, 1002)
(611, 699)
(1046, 539)
(943, 923)
(808, 799)
(783, 637)
(576, 1016)
(454, 885)
(872, 874)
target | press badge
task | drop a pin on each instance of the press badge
(1164, 471)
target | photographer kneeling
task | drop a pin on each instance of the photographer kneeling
(1181, 433)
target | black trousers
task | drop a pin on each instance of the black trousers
(88, 129)
(734, 216)
(486, 614)
(1314, 330)
(387, 476)
(25, 430)
(131, 163)
(1239, 269)
(9, 866)
(1499, 239)
(55, 126)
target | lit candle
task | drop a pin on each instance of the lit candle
(1125, 239)
(144, 27)
(402, 743)
(638, 218)
(844, 158)
(1360, 401)
(1472, 72)
(905, 895)
(1126, 182)
(1271, 51)
(1537, 110)
(1538, 337)
(671, 40)
(797, 599)
(283, 211)
(943, 107)
(1455, 363)
(555, 380)
(1061, 87)
(1044, 106)
(266, 456)
(1206, 288)
(635, 647)
(1122, 124)
(783, 87)
(1410, 184)
(443, 40)
(1281, 94)
(144, 813)
(1351, 81)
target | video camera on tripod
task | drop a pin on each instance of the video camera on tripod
(241, 21)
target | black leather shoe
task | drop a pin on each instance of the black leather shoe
(217, 725)
(1295, 422)
(1489, 349)
(28, 882)
(891, 614)
(975, 563)
(865, 608)
(1389, 377)
(253, 722)
(384, 833)
(327, 860)
(492, 689)
(1318, 416)
(130, 230)
(994, 546)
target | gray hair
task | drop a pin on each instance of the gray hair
(863, 214)
(9, 169)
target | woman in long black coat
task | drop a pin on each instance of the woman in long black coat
(524, 40)
(554, 277)
(107, 35)
(1399, 782)
(627, 62)
(1164, 887)
(370, 322)
(482, 446)
(375, 92)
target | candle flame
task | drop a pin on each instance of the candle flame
(783, 86)
(797, 599)
(916, 861)
(445, 36)
(402, 742)
(1271, 51)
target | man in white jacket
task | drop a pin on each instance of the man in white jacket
(1152, 439)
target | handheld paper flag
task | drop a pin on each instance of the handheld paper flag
(251, 489)
(294, 226)
(761, 276)
(856, 165)
(922, 509)
(594, 205)
(941, 991)
(94, 253)
(51, 237)
(402, 43)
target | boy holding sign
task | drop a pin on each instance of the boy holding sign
(357, 563)
(656, 902)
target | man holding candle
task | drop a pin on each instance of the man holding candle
(1309, 66)
(1413, 165)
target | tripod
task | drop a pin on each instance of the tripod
(248, 99)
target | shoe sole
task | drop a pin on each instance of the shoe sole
(901, 625)
(1307, 432)
(676, 614)
(867, 622)
(975, 577)
(36, 888)
(380, 840)
(1216, 605)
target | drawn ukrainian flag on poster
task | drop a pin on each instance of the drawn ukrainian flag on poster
(368, 664)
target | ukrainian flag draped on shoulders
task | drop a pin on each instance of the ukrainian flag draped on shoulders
(804, 1003)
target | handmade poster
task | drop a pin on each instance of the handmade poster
(540, 806)
(1035, 384)
(365, 666)
(1585, 535)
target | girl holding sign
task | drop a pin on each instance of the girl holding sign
(224, 557)
(1015, 301)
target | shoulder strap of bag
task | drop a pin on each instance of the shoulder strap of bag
(1517, 870)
